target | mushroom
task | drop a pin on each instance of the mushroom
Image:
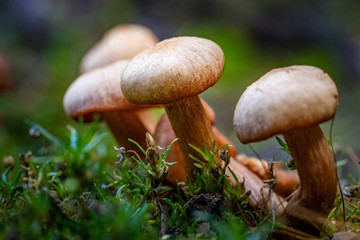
(164, 134)
(287, 181)
(98, 91)
(121, 42)
(173, 73)
(293, 101)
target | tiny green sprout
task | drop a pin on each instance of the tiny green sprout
(9, 190)
(283, 145)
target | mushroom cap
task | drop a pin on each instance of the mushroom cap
(96, 91)
(172, 70)
(121, 42)
(284, 99)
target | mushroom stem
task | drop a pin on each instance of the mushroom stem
(310, 206)
(191, 126)
(164, 134)
(125, 125)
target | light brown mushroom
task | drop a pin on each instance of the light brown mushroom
(99, 91)
(293, 101)
(173, 73)
(121, 42)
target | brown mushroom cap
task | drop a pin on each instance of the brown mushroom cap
(284, 99)
(97, 91)
(173, 69)
(121, 42)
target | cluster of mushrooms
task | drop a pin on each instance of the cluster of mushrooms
(129, 72)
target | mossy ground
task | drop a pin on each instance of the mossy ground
(75, 187)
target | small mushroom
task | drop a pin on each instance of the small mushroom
(293, 101)
(98, 91)
(121, 42)
(173, 73)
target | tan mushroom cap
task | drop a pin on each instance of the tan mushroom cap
(121, 42)
(173, 69)
(284, 99)
(96, 91)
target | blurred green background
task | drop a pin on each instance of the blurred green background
(44, 41)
